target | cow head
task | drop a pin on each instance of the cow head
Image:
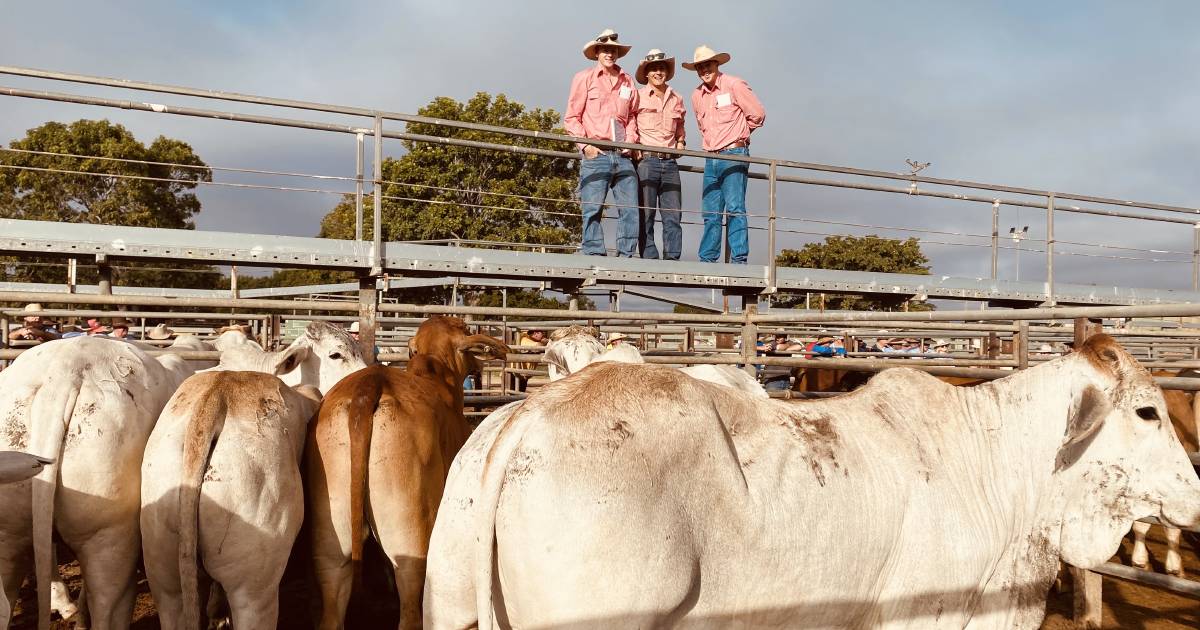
(320, 357)
(570, 349)
(446, 339)
(1119, 459)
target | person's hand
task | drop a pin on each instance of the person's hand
(637, 155)
(590, 151)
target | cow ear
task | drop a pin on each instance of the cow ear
(1086, 419)
(553, 356)
(290, 359)
(483, 347)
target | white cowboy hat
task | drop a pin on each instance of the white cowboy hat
(615, 336)
(354, 327)
(704, 53)
(607, 37)
(159, 332)
(655, 55)
(32, 307)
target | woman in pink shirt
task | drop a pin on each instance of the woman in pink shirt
(601, 105)
(727, 111)
(660, 117)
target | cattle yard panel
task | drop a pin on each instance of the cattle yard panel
(373, 259)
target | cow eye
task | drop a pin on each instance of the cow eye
(1147, 413)
(335, 355)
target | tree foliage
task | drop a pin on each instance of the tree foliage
(855, 253)
(437, 192)
(121, 182)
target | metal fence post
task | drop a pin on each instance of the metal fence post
(1021, 344)
(376, 224)
(358, 188)
(995, 236)
(1050, 250)
(105, 274)
(368, 303)
(1196, 257)
(771, 213)
(749, 338)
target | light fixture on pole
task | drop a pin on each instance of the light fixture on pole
(1017, 237)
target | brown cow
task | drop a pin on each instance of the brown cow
(377, 457)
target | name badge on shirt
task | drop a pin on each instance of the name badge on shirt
(724, 100)
(625, 92)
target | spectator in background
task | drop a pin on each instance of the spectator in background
(534, 337)
(602, 105)
(778, 377)
(120, 328)
(616, 339)
(660, 115)
(34, 327)
(727, 111)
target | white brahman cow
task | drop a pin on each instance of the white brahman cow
(88, 403)
(221, 488)
(575, 347)
(221, 475)
(632, 496)
(320, 357)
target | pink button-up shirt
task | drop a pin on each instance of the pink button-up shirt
(660, 120)
(597, 99)
(727, 112)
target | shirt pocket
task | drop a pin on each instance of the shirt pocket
(727, 114)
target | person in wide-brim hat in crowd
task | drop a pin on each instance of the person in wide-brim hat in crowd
(120, 328)
(727, 112)
(34, 326)
(602, 105)
(660, 116)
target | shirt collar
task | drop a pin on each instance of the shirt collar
(716, 83)
(647, 91)
(600, 71)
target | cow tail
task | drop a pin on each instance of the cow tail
(491, 484)
(203, 428)
(360, 417)
(47, 415)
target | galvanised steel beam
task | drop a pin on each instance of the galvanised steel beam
(41, 238)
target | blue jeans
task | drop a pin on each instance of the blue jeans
(725, 192)
(661, 193)
(608, 170)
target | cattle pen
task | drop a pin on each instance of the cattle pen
(1004, 335)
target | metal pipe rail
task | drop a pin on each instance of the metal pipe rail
(1150, 578)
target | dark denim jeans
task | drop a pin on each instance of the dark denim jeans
(725, 192)
(596, 176)
(661, 194)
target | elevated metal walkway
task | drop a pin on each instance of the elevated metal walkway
(110, 243)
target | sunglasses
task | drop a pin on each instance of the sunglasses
(656, 57)
(603, 39)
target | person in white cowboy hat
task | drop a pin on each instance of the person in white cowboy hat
(159, 333)
(602, 105)
(727, 111)
(616, 339)
(660, 117)
(35, 327)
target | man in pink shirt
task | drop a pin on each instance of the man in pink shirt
(727, 111)
(602, 105)
(660, 115)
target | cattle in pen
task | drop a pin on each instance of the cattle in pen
(377, 459)
(632, 496)
(89, 404)
(222, 492)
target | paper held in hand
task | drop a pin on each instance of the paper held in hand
(618, 130)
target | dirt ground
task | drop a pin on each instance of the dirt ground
(1127, 606)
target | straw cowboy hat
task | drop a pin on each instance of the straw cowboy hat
(353, 327)
(704, 53)
(31, 311)
(159, 332)
(607, 37)
(615, 336)
(654, 56)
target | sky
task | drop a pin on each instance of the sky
(1090, 97)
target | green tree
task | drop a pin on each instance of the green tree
(855, 253)
(121, 182)
(438, 192)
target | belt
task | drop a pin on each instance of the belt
(661, 156)
(735, 145)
